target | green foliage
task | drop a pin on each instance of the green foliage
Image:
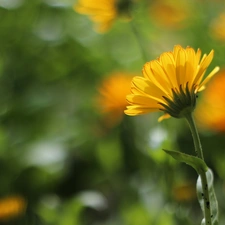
(195, 162)
(57, 152)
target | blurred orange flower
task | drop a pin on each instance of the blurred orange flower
(11, 207)
(101, 12)
(210, 113)
(184, 192)
(112, 96)
(217, 28)
(167, 13)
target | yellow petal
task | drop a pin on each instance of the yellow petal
(138, 110)
(176, 50)
(168, 66)
(180, 67)
(154, 72)
(151, 90)
(214, 71)
(165, 116)
(206, 60)
(191, 65)
(142, 100)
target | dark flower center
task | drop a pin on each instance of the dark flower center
(183, 101)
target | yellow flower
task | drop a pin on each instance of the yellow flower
(169, 14)
(217, 28)
(11, 207)
(184, 192)
(211, 110)
(112, 96)
(170, 83)
(101, 12)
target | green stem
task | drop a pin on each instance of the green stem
(196, 139)
(205, 196)
(139, 40)
(199, 152)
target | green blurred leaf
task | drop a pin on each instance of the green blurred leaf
(198, 164)
(57, 212)
(136, 214)
(109, 154)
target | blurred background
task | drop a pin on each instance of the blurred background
(68, 154)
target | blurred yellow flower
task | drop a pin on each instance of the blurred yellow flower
(11, 207)
(112, 96)
(170, 83)
(167, 13)
(184, 192)
(101, 12)
(211, 110)
(217, 28)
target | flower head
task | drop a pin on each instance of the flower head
(102, 12)
(167, 14)
(170, 83)
(11, 207)
(217, 29)
(112, 96)
(184, 192)
(211, 109)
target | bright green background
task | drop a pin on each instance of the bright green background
(53, 148)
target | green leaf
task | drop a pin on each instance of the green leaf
(195, 162)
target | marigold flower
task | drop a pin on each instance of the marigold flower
(211, 109)
(168, 14)
(170, 83)
(102, 12)
(112, 96)
(11, 207)
(217, 29)
(184, 192)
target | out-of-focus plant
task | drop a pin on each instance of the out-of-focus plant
(169, 15)
(210, 113)
(216, 28)
(111, 100)
(103, 12)
(11, 207)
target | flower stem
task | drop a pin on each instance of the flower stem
(139, 41)
(196, 139)
(199, 152)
